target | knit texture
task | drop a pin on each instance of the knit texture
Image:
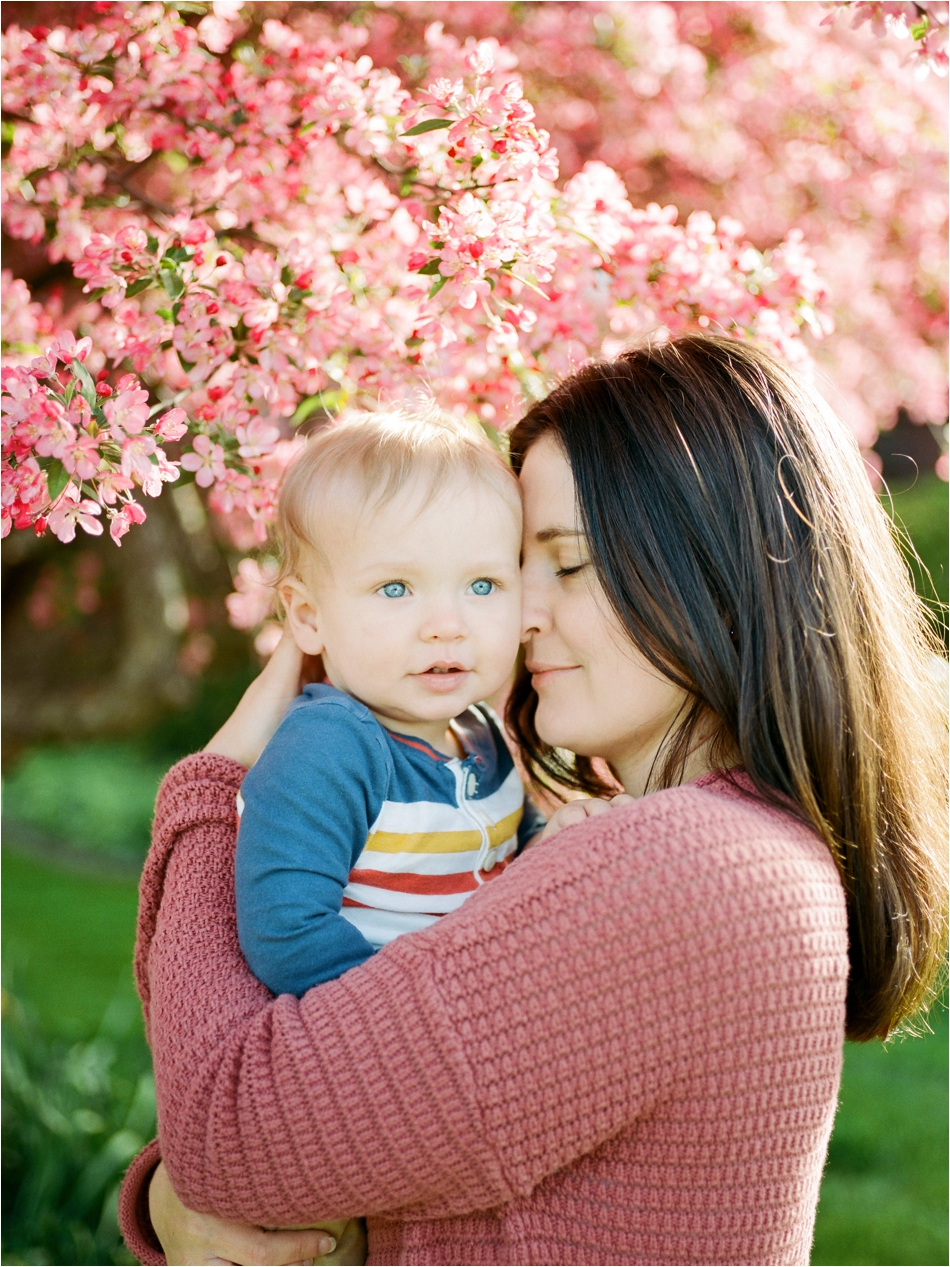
(626, 1049)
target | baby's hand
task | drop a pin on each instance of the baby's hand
(576, 811)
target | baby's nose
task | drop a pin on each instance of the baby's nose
(444, 622)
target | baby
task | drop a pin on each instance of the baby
(387, 796)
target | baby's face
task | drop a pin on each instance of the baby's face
(416, 605)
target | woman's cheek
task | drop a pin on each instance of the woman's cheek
(561, 719)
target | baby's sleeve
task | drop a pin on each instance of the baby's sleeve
(309, 803)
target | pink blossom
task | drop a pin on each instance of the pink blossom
(136, 458)
(70, 510)
(81, 457)
(173, 425)
(254, 598)
(207, 461)
(257, 438)
(127, 412)
(67, 347)
(121, 520)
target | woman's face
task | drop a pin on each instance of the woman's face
(597, 695)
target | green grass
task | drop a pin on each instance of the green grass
(98, 797)
(921, 511)
(884, 1194)
(78, 1094)
(67, 945)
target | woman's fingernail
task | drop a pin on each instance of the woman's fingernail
(328, 1245)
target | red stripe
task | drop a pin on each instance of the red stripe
(458, 882)
(420, 746)
(348, 901)
(496, 870)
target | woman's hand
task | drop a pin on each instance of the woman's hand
(576, 811)
(191, 1238)
(261, 710)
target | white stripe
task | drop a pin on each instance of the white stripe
(388, 900)
(405, 818)
(381, 927)
(432, 863)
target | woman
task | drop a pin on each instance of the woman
(626, 1049)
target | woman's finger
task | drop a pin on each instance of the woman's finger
(253, 1247)
(622, 798)
(595, 806)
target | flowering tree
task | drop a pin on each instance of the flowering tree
(780, 115)
(268, 226)
(260, 221)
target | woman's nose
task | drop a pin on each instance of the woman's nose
(535, 612)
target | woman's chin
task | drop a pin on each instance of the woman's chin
(555, 730)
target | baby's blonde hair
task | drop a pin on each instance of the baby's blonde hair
(380, 451)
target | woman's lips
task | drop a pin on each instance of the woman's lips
(545, 674)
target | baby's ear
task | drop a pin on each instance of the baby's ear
(302, 618)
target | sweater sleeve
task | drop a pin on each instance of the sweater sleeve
(461, 1066)
(309, 803)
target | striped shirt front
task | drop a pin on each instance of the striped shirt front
(352, 834)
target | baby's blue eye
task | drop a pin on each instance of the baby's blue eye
(395, 589)
(482, 587)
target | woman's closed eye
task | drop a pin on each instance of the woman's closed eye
(571, 571)
(394, 589)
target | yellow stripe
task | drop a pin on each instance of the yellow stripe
(441, 841)
(504, 830)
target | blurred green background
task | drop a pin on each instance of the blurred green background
(77, 1089)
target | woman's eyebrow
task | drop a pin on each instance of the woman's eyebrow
(551, 534)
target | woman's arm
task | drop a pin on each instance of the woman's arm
(460, 1066)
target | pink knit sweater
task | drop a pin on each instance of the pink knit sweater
(625, 1050)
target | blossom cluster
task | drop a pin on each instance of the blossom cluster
(758, 111)
(73, 448)
(266, 225)
(925, 22)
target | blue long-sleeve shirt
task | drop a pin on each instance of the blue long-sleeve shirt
(352, 834)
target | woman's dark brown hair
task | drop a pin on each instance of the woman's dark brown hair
(733, 528)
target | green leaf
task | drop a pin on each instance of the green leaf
(136, 288)
(178, 254)
(429, 125)
(175, 161)
(166, 315)
(437, 286)
(57, 477)
(87, 386)
(431, 268)
(7, 131)
(476, 162)
(306, 127)
(414, 341)
(173, 284)
(919, 29)
(176, 310)
(327, 400)
(152, 244)
(187, 366)
(286, 274)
